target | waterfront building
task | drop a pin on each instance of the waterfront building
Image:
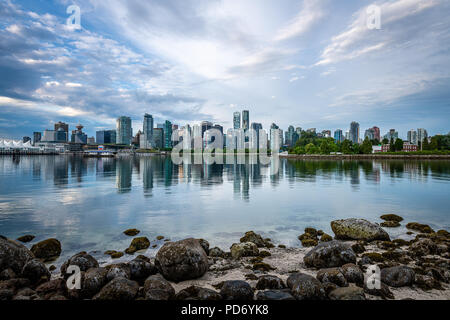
(245, 120)
(65, 128)
(206, 125)
(236, 120)
(275, 140)
(147, 135)
(422, 134)
(168, 134)
(392, 134)
(106, 137)
(338, 136)
(78, 136)
(412, 137)
(37, 136)
(124, 130)
(354, 132)
(158, 138)
(49, 136)
(409, 147)
(257, 127)
(60, 135)
(91, 140)
(26, 139)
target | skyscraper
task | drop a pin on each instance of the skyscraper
(422, 134)
(64, 126)
(236, 120)
(148, 131)
(245, 120)
(338, 136)
(37, 137)
(78, 136)
(168, 134)
(106, 137)
(354, 132)
(206, 125)
(412, 137)
(124, 131)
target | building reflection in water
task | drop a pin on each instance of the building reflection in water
(159, 171)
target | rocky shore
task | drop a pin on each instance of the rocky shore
(326, 267)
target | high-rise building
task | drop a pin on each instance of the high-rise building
(237, 120)
(91, 140)
(338, 136)
(158, 138)
(275, 141)
(206, 125)
(412, 137)
(49, 136)
(392, 134)
(311, 130)
(257, 127)
(37, 137)
(245, 120)
(147, 135)
(78, 136)
(370, 134)
(124, 130)
(422, 134)
(60, 135)
(168, 134)
(106, 137)
(354, 132)
(377, 134)
(326, 133)
(64, 126)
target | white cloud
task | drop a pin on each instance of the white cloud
(309, 15)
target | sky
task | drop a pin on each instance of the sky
(306, 63)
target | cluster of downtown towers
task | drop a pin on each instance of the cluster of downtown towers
(243, 135)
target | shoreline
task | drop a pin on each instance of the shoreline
(335, 265)
(366, 157)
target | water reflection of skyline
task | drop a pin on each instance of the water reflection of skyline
(160, 171)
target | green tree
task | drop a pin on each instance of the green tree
(425, 145)
(392, 145)
(366, 147)
(398, 145)
(311, 149)
(346, 147)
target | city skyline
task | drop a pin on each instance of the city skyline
(282, 63)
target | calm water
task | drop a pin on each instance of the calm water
(87, 203)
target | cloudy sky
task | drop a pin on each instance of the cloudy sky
(301, 62)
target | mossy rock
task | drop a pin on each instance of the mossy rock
(306, 236)
(386, 245)
(401, 242)
(358, 247)
(320, 233)
(117, 255)
(264, 254)
(47, 249)
(159, 237)
(132, 232)
(309, 242)
(311, 231)
(261, 266)
(392, 255)
(390, 224)
(391, 217)
(52, 268)
(374, 256)
(281, 246)
(26, 238)
(326, 238)
(154, 246)
(130, 250)
(110, 252)
(140, 243)
(419, 227)
(444, 233)
(256, 260)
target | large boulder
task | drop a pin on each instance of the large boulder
(332, 275)
(305, 287)
(141, 269)
(36, 271)
(251, 236)
(94, 280)
(119, 289)
(279, 295)
(358, 229)
(51, 288)
(198, 293)
(244, 249)
(119, 270)
(13, 255)
(353, 273)
(347, 293)
(158, 288)
(269, 282)
(329, 254)
(47, 249)
(236, 290)
(83, 260)
(399, 276)
(182, 260)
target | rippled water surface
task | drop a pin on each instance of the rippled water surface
(86, 203)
